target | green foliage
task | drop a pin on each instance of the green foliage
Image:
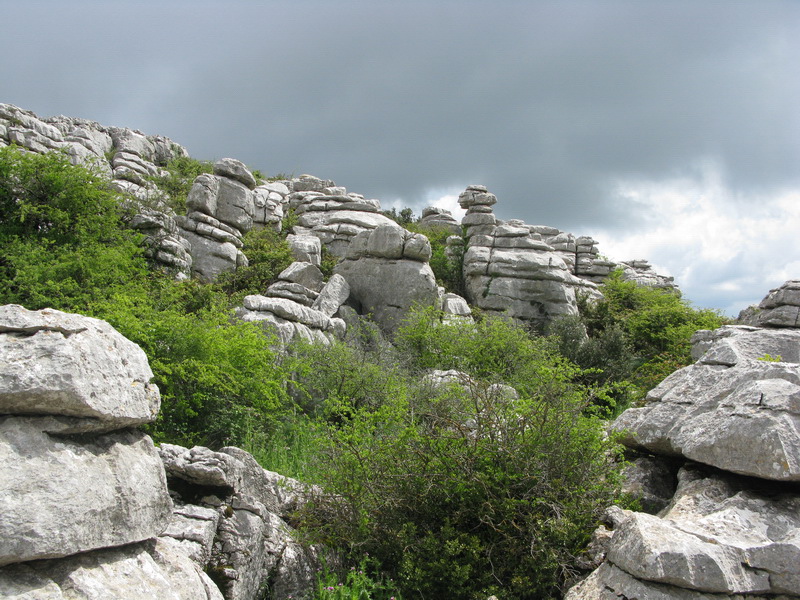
(462, 491)
(403, 217)
(66, 246)
(63, 234)
(267, 253)
(769, 358)
(363, 582)
(181, 172)
(634, 333)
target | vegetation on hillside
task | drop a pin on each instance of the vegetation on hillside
(461, 489)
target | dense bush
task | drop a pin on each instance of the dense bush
(177, 178)
(633, 333)
(462, 490)
(268, 254)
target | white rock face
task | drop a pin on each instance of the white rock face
(156, 569)
(730, 409)
(780, 308)
(62, 496)
(387, 288)
(64, 364)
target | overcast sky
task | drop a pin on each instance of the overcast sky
(667, 130)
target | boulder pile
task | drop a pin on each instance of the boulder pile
(91, 510)
(732, 527)
(300, 304)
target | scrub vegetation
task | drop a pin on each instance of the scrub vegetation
(489, 482)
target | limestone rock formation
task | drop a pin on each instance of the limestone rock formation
(299, 304)
(509, 269)
(58, 363)
(440, 218)
(331, 214)
(253, 548)
(129, 158)
(84, 497)
(220, 211)
(718, 410)
(388, 273)
(722, 535)
(780, 308)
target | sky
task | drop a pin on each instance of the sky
(667, 130)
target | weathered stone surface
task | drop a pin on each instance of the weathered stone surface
(63, 494)
(155, 569)
(235, 205)
(435, 218)
(194, 528)
(610, 583)
(286, 309)
(53, 362)
(305, 248)
(210, 257)
(780, 308)
(201, 466)
(332, 296)
(388, 289)
(730, 409)
(203, 194)
(304, 273)
(235, 169)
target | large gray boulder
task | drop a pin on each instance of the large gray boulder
(732, 409)
(58, 363)
(152, 569)
(387, 272)
(64, 495)
(721, 537)
(780, 308)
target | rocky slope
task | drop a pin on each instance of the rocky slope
(530, 272)
(732, 420)
(91, 510)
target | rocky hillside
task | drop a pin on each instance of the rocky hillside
(530, 272)
(730, 425)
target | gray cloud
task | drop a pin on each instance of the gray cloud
(547, 103)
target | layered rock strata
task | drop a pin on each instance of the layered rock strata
(780, 308)
(84, 495)
(509, 269)
(732, 528)
(300, 305)
(388, 273)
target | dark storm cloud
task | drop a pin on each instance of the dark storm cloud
(550, 104)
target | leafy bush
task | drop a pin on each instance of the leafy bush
(267, 253)
(634, 333)
(461, 491)
(181, 172)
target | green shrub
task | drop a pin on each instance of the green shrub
(181, 172)
(460, 491)
(267, 254)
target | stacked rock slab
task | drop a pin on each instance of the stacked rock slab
(508, 269)
(434, 217)
(330, 213)
(300, 305)
(84, 495)
(388, 273)
(732, 530)
(127, 157)
(230, 515)
(220, 209)
(780, 308)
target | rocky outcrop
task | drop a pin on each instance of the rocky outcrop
(252, 549)
(84, 496)
(509, 269)
(780, 308)
(732, 528)
(439, 218)
(330, 213)
(388, 273)
(299, 305)
(220, 209)
(86, 512)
